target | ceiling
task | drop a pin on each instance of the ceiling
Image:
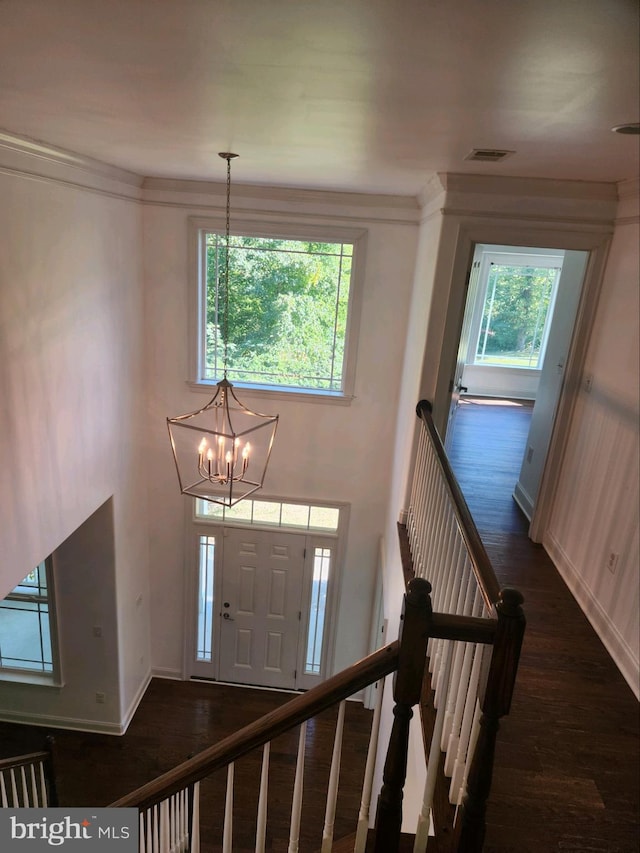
(359, 95)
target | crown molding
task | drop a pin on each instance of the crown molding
(527, 187)
(262, 198)
(39, 160)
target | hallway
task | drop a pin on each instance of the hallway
(566, 776)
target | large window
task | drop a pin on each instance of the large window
(27, 625)
(290, 320)
(515, 310)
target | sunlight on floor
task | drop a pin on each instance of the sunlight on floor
(493, 401)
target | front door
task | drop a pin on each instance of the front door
(260, 607)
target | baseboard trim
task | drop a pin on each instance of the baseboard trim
(167, 672)
(523, 500)
(133, 705)
(72, 723)
(622, 654)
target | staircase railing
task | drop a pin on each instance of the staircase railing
(470, 635)
(471, 682)
(28, 781)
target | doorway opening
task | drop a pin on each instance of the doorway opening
(262, 592)
(516, 333)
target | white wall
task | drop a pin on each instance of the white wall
(322, 450)
(595, 512)
(551, 380)
(483, 380)
(71, 344)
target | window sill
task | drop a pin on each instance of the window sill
(333, 398)
(36, 679)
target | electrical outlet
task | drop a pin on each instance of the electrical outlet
(612, 562)
(587, 383)
(97, 630)
(100, 697)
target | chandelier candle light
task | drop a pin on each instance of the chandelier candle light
(215, 460)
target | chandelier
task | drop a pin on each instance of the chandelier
(222, 450)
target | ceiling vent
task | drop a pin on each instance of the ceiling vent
(488, 155)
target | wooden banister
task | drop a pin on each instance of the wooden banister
(483, 570)
(414, 633)
(496, 703)
(256, 734)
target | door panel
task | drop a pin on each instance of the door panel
(261, 602)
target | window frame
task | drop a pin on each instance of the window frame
(33, 676)
(531, 258)
(286, 230)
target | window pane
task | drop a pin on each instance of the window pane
(208, 509)
(204, 640)
(266, 512)
(287, 311)
(324, 518)
(295, 515)
(515, 315)
(242, 511)
(273, 512)
(321, 566)
(25, 635)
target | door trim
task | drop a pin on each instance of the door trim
(468, 233)
(195, 526)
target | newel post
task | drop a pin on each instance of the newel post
(496, 703)
(414, 633)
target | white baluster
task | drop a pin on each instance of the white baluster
(296, 806)
(43, 787)
(365, 802)
(142, 847)
(455, 789)
(165, 827)
(261, 828)
(3, 792)
(227, 832)
(475, 730)
(459, 678)
(25, 787)
(156, 830)
(334, 777)
(195, 821)
(422, 829)
(35, 802)
(14, 789)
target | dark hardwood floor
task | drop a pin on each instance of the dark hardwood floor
(567, 767)
(176, 719)
(566, 774)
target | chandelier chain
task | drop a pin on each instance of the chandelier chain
(226, 265)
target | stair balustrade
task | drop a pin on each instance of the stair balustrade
(456, 658)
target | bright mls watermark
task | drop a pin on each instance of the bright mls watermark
(26, 830)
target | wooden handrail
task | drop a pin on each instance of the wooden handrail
(268, 727)
(482, 568)
(20, 760)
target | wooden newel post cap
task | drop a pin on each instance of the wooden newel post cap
(418, 587)
(509, 601)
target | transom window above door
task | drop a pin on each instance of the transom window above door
(290, 324)
(273, 513)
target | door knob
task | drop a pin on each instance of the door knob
(227, 617)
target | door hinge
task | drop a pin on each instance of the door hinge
(295, 673)
(304, 555)
(299, 615)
